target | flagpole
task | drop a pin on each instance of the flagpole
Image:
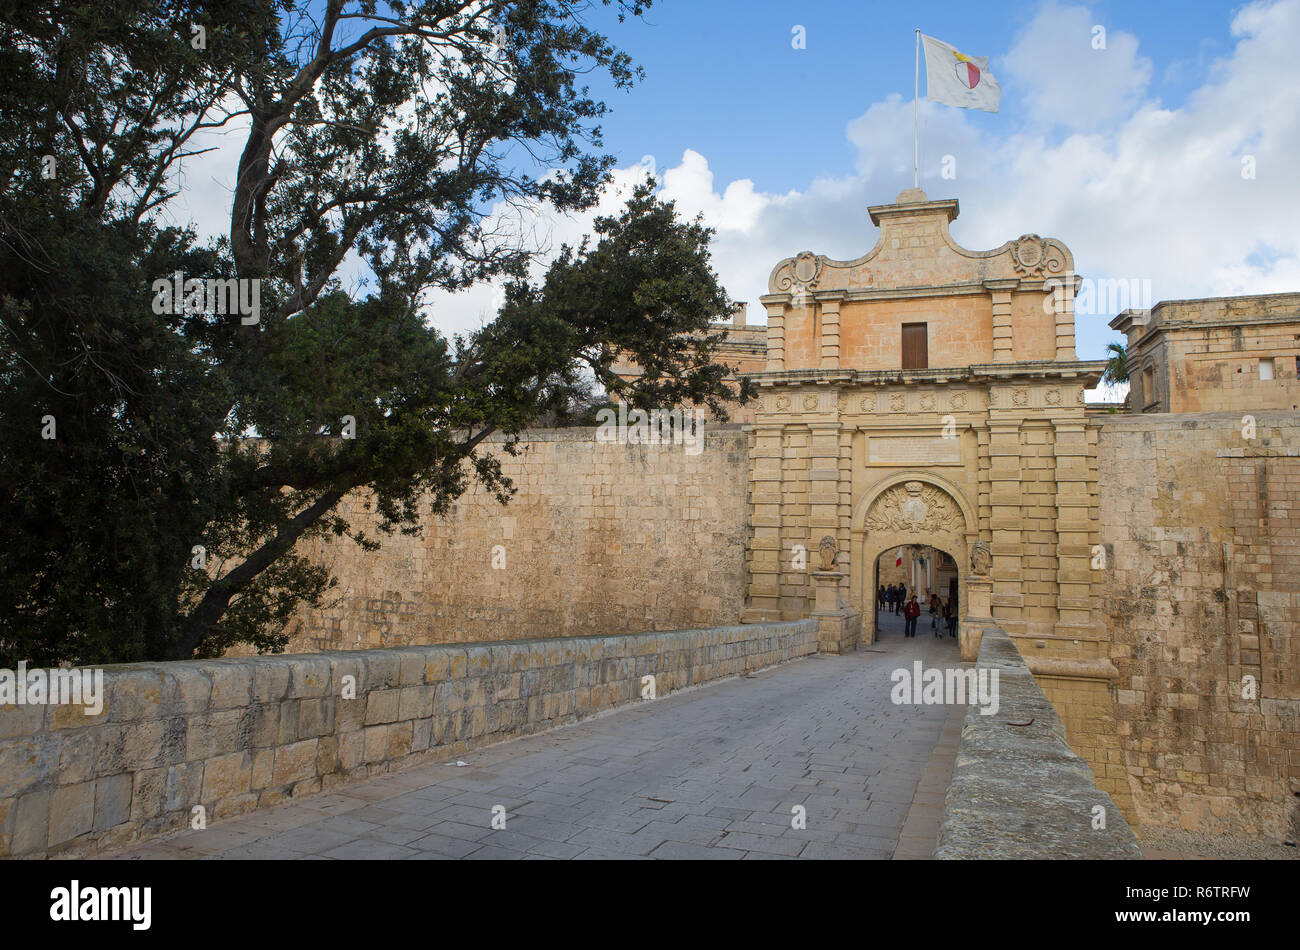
(916, 148)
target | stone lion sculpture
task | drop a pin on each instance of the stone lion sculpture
(827, 550)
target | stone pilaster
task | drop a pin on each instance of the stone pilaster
(1039, 543)
(844, 536)
(765, 525)
(1075, 514)
(775, 336)
(984, 507)
(1094, 533)
(795, 452)
(1001, 293)
(1064, 309)
(1005, 523)
(830, 327)
(824, 483)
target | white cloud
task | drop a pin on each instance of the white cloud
(1063, 78)
(1155, 194)
(1135, 189)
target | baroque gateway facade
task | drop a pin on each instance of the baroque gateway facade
(928, 394)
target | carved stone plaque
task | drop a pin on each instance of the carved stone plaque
(915, 507)
(913, 450)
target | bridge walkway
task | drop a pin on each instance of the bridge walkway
(713, 772)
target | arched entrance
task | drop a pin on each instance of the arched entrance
(922, 570)
(908, 509)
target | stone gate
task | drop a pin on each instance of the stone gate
(925, 393)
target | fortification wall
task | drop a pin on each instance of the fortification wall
(599, 537)
(1197, 518)
(1200, 519)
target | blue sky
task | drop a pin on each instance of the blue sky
(1131, 154)
(722, 77)
(1135, 155)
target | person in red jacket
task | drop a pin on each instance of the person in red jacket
(910, 612)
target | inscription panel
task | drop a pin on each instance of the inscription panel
(913, 450)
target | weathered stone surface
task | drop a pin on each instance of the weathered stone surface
(26, 762)
(294, 763)
(639, 510)
(72, 812)
(231, 686)
(1200, 517)
(21, 720)
(1018, 791)
(144, 775)
(31, 816)
(112, 802)
(226, 775)
(1204, 355)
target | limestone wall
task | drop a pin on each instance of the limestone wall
(231, 735)
(599, 537)
(1206, 355)
(1220, 368)
(1201, 527)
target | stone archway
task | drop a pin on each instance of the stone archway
(905, 509)
(925, 570)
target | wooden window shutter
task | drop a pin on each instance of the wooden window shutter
(916, 353)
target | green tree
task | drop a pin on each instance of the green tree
(1116, 364)
(194, 451)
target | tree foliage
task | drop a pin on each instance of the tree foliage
(1116, 364)
(194, 452)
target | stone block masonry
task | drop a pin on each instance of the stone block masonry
(235, 734)
(1200, 519)
(599, 536)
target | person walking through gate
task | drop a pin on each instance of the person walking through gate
(910, 612)
(934, 615)
(880, 598)
(950, 616)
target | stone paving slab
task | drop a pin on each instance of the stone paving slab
(711, 773)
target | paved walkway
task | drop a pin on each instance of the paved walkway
(713, 772)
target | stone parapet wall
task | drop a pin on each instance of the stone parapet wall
(231, 735)
(1018, 790)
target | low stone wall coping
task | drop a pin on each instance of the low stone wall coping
(225, 736)
(1018, 791)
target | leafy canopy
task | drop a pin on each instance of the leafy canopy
(192, 452)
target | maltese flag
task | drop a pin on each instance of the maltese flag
(900, 558)
(959, 80)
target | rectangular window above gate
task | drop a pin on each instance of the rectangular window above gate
(916, 354)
